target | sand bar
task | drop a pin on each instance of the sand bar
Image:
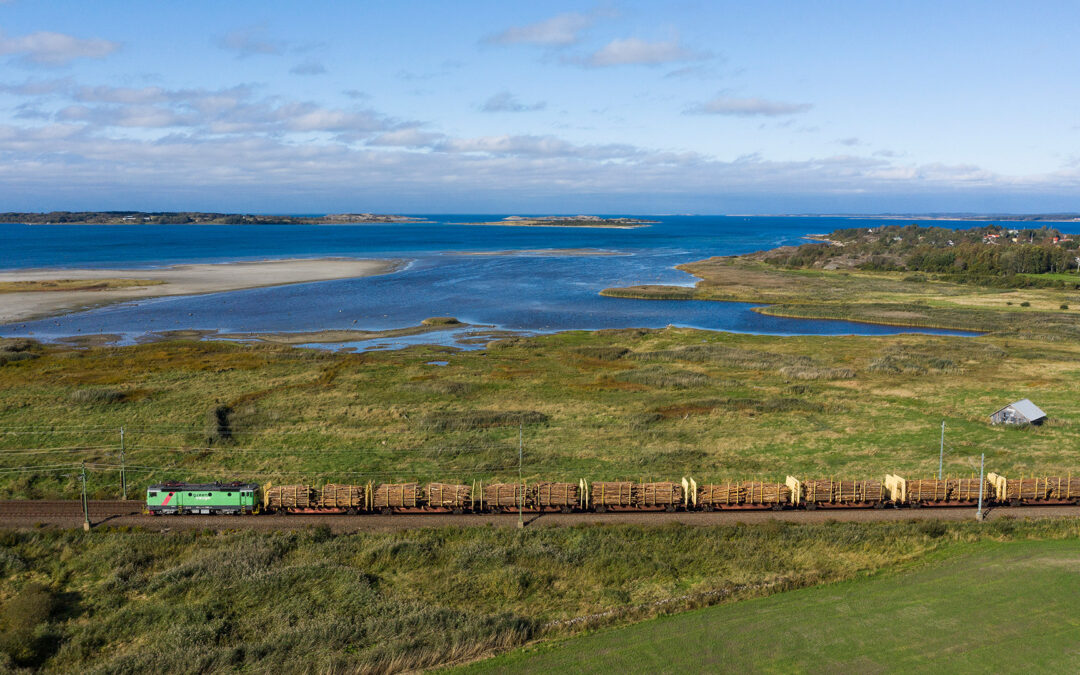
(178, 280)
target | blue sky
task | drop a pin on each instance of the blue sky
(557, 107)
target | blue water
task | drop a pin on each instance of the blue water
(520, 292)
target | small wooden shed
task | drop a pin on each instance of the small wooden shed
(1020, 412)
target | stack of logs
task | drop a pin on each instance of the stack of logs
(290, 497)
(657, 494)
(555, 495)
(628, 494)
(343, 496)
(745, 492)
(1042, 489)
(612, 493)
(502, 495)
(446, 495)
(946, 490)
(395, 496)
(843, 491)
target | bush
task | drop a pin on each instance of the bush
(22, 615)
(1025, 304)
(97, 396)
(12, 357)
(16, 345)
(1064, 306)
(219, 425)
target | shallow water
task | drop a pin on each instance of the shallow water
(520, 291)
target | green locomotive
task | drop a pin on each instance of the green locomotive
(202, 498)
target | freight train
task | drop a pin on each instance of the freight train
(239, 498)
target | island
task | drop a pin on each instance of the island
(196, 218)
(567, 221)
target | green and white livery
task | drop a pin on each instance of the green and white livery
(202, 498)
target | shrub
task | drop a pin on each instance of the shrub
(219, 425)
(12, 357)
(16, 345)
(1064, 306)
(1025, 304)
(22, 615)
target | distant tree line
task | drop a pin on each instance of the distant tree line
(990, 254)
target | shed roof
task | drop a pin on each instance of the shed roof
(1026, 408)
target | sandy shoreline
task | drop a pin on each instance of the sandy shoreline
(178, 280)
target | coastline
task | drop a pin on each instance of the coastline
(175, 280)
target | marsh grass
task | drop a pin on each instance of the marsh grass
(454, 420)
(664, 377)
(313, 601)
(701, 403)
(97, 396)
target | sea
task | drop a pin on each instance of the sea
(529, 288)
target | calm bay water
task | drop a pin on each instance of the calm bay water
(522, 292)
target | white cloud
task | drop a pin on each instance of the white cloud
(504, 101)
(747, 107)
(634, 51)
(46, 48)
(558, 31)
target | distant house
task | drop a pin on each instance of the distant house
(1021, 412)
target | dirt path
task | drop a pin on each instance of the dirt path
(16, 514)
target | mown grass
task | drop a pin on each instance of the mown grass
(1002, 607)
(311, 601)
(607, 405)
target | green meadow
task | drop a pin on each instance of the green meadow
(986, 607)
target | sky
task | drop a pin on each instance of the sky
(558, 107)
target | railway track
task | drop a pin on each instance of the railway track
(27, 514)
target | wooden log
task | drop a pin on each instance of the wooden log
(554, 495)
(828, 491)
(395, 496)
(947, 490)
(342, 496)
(502, 495)
(447, 495)
(743, 493)
(1048, 488)
(290, 497)
(612, 493)
(656, 494)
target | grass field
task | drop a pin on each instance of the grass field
(989, 607)
(607, 405)
(116, 600)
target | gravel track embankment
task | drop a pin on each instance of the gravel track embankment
(15, 514)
